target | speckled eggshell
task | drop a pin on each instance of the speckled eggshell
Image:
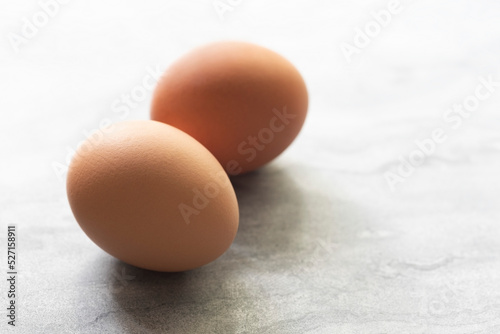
(244, 102)
(153, 197)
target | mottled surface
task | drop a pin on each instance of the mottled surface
(324, 245)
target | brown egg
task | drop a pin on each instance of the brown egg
(152, 196)
(243, 102)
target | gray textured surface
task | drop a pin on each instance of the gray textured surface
(324, 245)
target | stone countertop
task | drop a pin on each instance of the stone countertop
(382, 217)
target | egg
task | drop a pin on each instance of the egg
(243, 102)
(152, 196)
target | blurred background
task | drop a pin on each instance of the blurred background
(382, 217)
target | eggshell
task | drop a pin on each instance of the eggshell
(244, 102)
(152, 196)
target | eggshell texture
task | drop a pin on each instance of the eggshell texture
(245, 103)
(152, 196)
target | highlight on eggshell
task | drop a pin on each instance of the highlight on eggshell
(243, 102)
(152, 196)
